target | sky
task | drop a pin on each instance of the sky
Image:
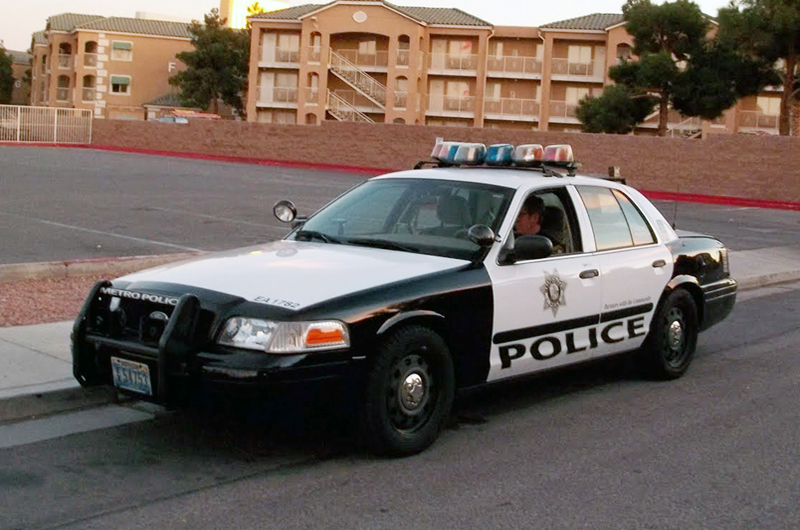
(20, 18)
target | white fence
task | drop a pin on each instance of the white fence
(45, 124)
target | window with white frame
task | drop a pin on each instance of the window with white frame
(575, 94)
(121, 84)
(493, 90)
(367, 47)
(769, 106)
(579, 54)
(121, 51)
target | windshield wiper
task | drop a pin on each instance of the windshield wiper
(381, 243)
(308, 235)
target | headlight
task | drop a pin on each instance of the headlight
(283, 337)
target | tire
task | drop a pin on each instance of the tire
(398, 419)
(669, 348)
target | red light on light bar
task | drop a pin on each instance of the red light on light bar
(558, 153)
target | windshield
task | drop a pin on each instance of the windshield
(411, 215)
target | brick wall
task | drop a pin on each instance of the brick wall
(754, 167)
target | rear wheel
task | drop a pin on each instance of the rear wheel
(409, 392)
(669, 348)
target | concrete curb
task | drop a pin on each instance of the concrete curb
(35, 404)
(87, 267)
(766, 280)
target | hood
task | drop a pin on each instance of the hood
(296, 274)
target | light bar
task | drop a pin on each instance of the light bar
(528, 155)
(470, 154)
(558, 155)
(498, 155)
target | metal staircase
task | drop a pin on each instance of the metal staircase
(357, 78)
(344, 111)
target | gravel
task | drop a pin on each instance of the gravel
(28, 302)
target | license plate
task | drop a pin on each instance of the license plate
(133, 376)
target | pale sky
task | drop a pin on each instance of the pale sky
(20, 18)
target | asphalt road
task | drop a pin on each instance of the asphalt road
(592, 448)
(65, 204)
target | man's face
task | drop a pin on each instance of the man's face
(527, 223)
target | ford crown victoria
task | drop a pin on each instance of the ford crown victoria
(414, 285)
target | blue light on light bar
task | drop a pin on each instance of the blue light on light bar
(498, 155)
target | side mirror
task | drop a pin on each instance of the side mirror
(285, 211)
(531, 247)
(481, 235)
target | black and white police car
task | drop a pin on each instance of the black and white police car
(413, 285)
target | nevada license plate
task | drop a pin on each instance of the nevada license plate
(133, 376)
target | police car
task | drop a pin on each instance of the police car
(414, 285)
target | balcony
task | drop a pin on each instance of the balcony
(312, 96)
(755, 122)
(370, 62)
(314, 54)
(565, 70)
(358, 101)
(444, 63)
(511, 109)
(516, 67)
(64, 60)
(279, 57)
(88, 94)
(563, 112)
(451, 106)
(400, 99)
(277, 97)
(62, 94)
(90, 60)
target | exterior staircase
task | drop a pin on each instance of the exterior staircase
(344, 111)
(357, 78)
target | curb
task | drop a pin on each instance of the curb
(767, 280)
(86, 267)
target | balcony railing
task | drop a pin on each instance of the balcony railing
(751, 119)
(510, 64)
(445, 61)
(277, 95)
(403, 57)
(512, 108)
(379, 58)
(87, 94)
(562, 109)
(62, 94)
(90, 59)
(64, 60)
(312, 95)
(400, 99)
(280, 55)
(566, 67)
(357, 100)
(451, 104)
(314, 54)
(343, 111)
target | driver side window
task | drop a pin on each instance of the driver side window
(550, 213)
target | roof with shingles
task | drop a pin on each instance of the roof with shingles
(141, 26)
(18, 57)
(595, 21)
(68, 21)
(38, 38)
(429, 15)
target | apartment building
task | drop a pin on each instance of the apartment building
(20, 64)
(111, 65)
(373, 61)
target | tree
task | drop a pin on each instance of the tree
(770, 31)
(679, 65)
(6, 76)
(615, 111)
(217, 68)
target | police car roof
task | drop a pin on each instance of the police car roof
(508, 177)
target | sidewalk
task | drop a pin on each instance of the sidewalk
(36, 364)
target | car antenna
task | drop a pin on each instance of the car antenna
(675, 211)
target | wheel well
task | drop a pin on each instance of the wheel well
(435, 323)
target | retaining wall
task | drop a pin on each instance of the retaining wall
(750, 167)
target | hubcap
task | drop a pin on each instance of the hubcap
(412, 392)
(675, 335)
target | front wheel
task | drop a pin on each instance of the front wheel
(670, 345)
(409, 392)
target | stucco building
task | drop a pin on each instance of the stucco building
(373, 61)
(111, 65)
(20, 64)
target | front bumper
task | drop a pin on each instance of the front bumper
(179, 366)
(718, 300)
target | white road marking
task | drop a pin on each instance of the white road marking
(104, 233)
(32, 431)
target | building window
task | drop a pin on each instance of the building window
(121, 51)
(769, 106)
(311, 119)
(400, 92)
(367, 47)
(312, 95)
(120, 84)
(89, 82)
(316, 47)
(44, 64)
(62, 92)
(64, 55)
(90, 54)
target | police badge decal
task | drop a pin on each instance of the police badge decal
(553, 291)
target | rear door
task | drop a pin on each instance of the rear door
(634, 267)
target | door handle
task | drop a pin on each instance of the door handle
(591, 273)
(659, 263)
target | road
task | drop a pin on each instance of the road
(592, 448)
(82, 203)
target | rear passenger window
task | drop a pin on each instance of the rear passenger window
(640, 231)
(616, 222)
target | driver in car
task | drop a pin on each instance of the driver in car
(529, 221)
